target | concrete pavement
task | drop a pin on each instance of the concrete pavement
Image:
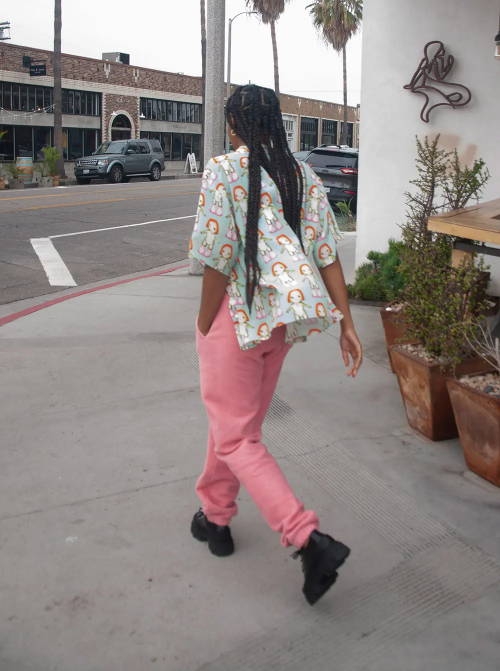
(103, 437)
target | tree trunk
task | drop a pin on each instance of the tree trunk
(58, 134)
(275, 59)
(343, 139)
(203, 74)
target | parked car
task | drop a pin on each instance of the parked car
(301, 155)
(118, 160)
(338, 168)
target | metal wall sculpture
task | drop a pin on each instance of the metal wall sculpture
(429, 81)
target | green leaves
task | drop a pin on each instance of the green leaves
(336, 20)
(381, 278)
(442, 303)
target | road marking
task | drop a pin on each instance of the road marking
(113, 228)
(90, 202)
(53, 265)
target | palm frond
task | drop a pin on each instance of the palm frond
(336, 20)
(269, 10)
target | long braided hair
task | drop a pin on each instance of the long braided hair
(254, 114)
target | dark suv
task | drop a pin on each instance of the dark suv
(119, 160)
(338, 168)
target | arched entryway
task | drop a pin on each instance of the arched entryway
(121, 128)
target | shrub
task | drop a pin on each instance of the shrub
(380, 278)
(50, 158)
(442, 302)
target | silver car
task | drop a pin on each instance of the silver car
(118, 160)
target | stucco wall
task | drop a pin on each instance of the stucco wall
(394, 34)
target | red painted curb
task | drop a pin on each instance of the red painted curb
(61, 299)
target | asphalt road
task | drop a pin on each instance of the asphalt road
(77, 213)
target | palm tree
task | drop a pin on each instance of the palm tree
(338, 21)
(270, 11)
(58, 134)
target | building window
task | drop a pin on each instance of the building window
(24, 141)
(350, 127)
(30, 140)
(176, 146)
(41, 139)
(308, 133)
(169, 110)
(329, 132)
(91, 140)
(289, 125)
(7, 144)
(29, 98)
(81, 103)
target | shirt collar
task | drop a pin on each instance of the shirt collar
(243, 149)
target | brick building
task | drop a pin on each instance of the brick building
(111, 99)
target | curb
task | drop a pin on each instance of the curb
(75, 294)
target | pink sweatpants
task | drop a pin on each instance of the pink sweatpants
(237, 387)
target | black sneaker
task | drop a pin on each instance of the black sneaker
(320, 560)
(220, 541)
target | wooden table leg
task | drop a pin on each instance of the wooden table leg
(459, 256)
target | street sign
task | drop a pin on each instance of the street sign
(38, 70)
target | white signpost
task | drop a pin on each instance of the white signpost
(191, 165)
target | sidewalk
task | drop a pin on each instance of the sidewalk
(103, 438)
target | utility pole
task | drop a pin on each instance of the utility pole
(214, 80)
(213, 109)
(57, 100)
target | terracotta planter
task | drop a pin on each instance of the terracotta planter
(394, 329)
(425, 394)
(478, 418)
(2, 183)
(55, 180)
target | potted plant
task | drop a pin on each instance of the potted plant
(50, 158)
(476, 403)
(441, 302)
(14, 181)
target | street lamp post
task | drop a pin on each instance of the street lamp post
(229, 36)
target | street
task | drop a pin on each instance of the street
(100, 231)
(55, 238)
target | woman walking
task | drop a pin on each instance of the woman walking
(257, 300)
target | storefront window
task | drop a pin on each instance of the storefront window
(24, 141)
(75, 143)
(308, 133)
(329, 133)
(177, 147)
(41, 138)
(349, 133)
(91, 140)
(7, 144)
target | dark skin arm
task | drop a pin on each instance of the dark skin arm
(350, 346)
(212, 293)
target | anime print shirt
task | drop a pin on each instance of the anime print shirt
(291, 291)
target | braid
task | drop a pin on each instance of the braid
(255, 116)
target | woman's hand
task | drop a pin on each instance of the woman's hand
(352, 351)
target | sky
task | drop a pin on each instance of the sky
(166, 36)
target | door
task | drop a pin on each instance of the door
(132, 158)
